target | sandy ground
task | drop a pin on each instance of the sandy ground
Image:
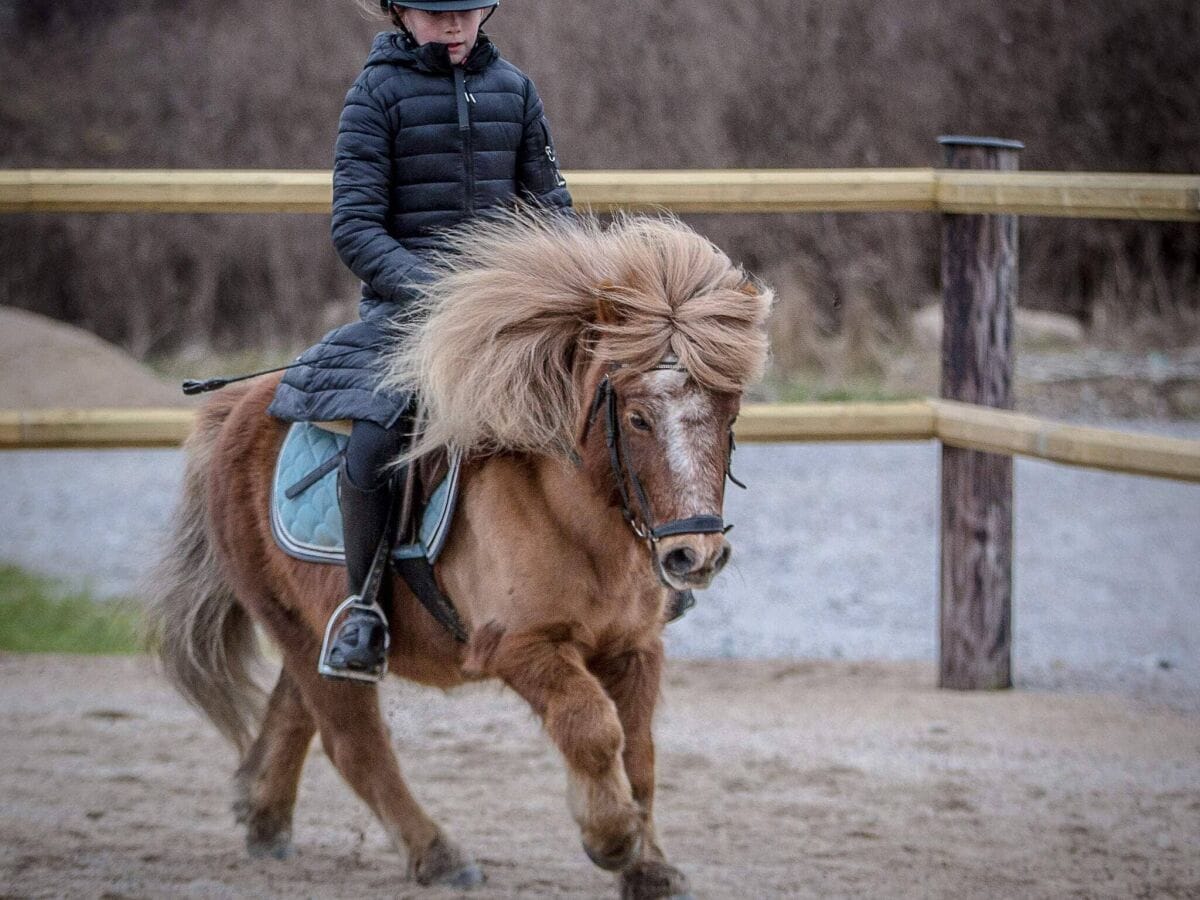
(776, 779)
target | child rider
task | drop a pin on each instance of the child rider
(437, 128)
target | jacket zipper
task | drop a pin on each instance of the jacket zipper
(464, 100)
(551, 155)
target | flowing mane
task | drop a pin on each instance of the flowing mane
(520, 295)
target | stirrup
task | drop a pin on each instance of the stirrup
(371, 676)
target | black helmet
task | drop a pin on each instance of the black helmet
(439, 5)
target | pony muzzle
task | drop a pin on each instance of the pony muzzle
(691, 561)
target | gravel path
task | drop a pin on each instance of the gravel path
(835, 556)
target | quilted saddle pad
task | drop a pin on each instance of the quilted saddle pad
(305, 517)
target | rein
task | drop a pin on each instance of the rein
(642, 520)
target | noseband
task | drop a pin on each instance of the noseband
(642, 521)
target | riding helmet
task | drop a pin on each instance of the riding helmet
(439, 5)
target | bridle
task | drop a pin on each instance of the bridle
(640, 517)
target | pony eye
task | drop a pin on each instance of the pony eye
(638, 421)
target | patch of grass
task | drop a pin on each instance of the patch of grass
(39, 615)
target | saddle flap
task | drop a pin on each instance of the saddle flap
(305, 518)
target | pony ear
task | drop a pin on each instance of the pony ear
(606, 310)
(749, 288)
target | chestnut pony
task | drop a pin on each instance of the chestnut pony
(545, 344)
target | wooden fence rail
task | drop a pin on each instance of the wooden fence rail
(956, 424)
(978, 194)
(1065, 194)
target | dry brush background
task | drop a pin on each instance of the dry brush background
(705, 83)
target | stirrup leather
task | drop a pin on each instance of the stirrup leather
(373, 676)
(366, 601)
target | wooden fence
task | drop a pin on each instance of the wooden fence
(957, 424)
(979, 193)
(1063, 194)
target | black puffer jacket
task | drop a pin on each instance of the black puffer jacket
(422, 145)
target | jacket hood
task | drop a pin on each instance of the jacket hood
(397, 48)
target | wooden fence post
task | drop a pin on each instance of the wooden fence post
(979, 292)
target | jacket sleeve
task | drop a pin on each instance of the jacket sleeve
(538, 177)
(362, 184)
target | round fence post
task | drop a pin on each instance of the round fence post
(979, 292)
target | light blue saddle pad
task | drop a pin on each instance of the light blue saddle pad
(308, 524)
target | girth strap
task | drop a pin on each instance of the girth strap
(418, 575)
(417, 571)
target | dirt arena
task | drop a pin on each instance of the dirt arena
(776, 779)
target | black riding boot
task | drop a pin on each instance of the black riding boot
(359, 648)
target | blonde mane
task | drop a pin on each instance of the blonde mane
(520, 296)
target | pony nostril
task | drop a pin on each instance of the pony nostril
(722, 558)
(680, 561)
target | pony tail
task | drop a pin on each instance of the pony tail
(203, 638)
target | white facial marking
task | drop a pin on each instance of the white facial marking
(685, 413)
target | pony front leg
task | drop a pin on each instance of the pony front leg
(582, 721)
(633, 680)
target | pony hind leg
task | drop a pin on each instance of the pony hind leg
(356, 740)
(267, 780)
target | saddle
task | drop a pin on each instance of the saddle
(306, 520)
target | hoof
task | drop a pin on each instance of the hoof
(654, 881)
(267, 836)
(278, 846)
(467, 877)
(618, 856)
(445, 863)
